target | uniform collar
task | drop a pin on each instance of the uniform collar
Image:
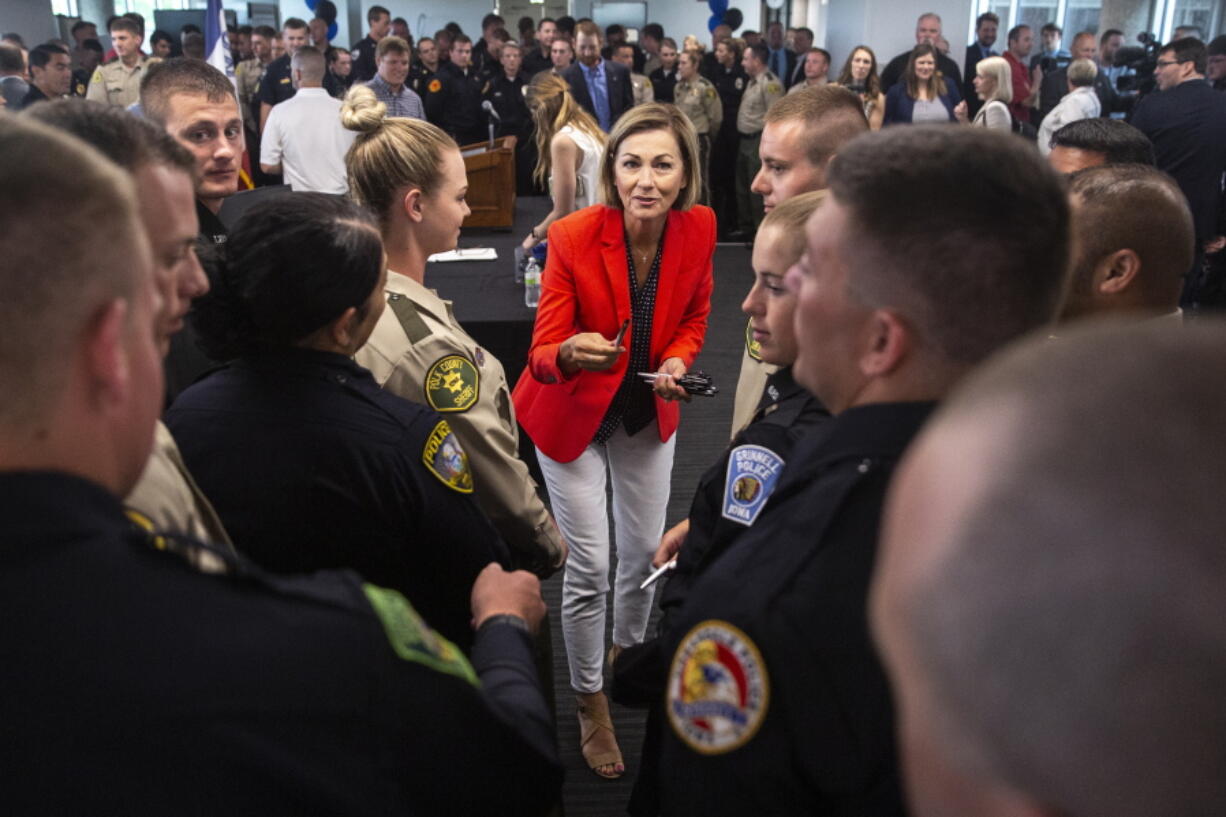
(49, 504)
(297, 361)
(780, 386)
(425, 298)
(875, 430)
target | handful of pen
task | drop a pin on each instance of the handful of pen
(694, 382)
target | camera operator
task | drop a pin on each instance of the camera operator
(1216, 66)
(1187, 124)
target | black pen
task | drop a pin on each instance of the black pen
(621, 333)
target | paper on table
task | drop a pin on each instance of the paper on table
(472, 254)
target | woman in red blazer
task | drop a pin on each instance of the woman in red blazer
(642, 262)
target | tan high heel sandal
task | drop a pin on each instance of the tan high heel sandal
(594, 719)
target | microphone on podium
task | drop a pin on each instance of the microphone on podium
(488, 107)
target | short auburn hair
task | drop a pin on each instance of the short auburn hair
(649, 117)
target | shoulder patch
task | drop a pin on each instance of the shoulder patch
(452, 384)
(753, 471)
(718, 689)
(406, 312)
(752, 347)
(435, 86)
(412, 639)
(445, 458)
(740, 83)
(97, 77)
(485, 89)
(710, 92)
(774, 88)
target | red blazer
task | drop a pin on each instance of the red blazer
(585, 288)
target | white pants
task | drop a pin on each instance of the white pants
(641, 467)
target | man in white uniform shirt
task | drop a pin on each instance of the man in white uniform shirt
(304, 138)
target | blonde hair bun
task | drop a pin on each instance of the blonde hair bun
(362, 111)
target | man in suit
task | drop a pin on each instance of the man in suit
(1055, 83)
(927, 30)
(780, 61)
(802, 41)
(600, 86)
(986, 27)
(1187, 124)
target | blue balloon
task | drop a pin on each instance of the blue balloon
(718, 6)
(311, 4)
(715, 20)
(332, 29)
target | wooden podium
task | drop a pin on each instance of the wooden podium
(491, 183)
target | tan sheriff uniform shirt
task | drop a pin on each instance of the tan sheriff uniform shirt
(116, 84)
(247, 75)
(642, 89)
(760, 94)
(750, 384)
(419, 351)
(168, 496)
(699, 101)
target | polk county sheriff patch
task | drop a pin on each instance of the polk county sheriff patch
(718, 689)
(452, 384)
(447, 460)
(752, 346)
(751, 477)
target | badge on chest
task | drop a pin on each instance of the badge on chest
(718, 689)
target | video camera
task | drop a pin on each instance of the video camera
(1143, 60)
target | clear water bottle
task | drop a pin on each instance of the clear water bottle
(532, 283)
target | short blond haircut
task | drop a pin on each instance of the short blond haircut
(389, 154)
(997, 69)
(63, 202)
(654, 116)
(1082, 73)
(789, 219)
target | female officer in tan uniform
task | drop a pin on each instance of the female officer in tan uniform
(411, 174)
(697, 98)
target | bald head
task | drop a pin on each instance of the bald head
(1049, 595)
(1134, 244)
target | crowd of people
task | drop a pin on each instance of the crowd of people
(269, 540)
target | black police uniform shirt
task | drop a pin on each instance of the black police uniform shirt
(80, 82)
(733, 492)
(730, 83)
(454, 103)
(32, 96)
(419, 78)
(662, 84)
(364, 65)
(507, 97)
(136, 683)
(536, 62)
(277, 84)
(775, 701)
(311, 465)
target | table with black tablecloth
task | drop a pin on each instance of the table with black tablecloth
(487, 301)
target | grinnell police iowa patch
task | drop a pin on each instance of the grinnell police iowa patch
(445, 459)
(452, 384)
(752, 473)
(752, 346)
(718, 689)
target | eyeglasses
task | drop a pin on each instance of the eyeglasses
(1165, 63)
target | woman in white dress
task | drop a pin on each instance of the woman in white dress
(569, 146)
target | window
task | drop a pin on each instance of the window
(1200, 13)
(1082, 15)
(65, 8)
(1072, 16)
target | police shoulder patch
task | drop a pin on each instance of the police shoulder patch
(752, 347)
(740, 83)
(710, 92)
(97, 77)
(774, 88)
(452, 384)
(753, 471)
(444, 457)
(412, 639)
(435, 86)
(718, 689)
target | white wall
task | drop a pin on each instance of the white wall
(682, 17)
(32, 19)
(888, 26)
